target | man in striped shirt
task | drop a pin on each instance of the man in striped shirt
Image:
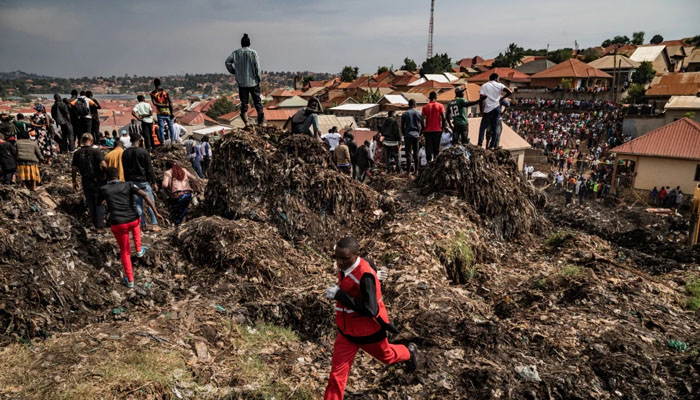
(245, 65)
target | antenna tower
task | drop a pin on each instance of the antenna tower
(430, 30)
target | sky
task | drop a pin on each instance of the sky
(164, 37)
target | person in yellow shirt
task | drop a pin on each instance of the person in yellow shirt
(114, 158)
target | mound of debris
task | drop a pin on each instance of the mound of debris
(291, 185)
(490, 182)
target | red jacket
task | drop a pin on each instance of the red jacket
(351, 323)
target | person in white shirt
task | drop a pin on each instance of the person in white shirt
(177, 133)
(490, 105)
(125, 139)
(422, 157)
(332, 137)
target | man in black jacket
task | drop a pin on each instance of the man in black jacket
(138, 170)
(7, 161)
(61, 114)
(392, 140)
(90, 163)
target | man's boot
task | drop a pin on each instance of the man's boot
(244, 117)
(261, 120)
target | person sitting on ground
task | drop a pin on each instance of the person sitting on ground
(180, 184)
(7, 161)
(305, 118)
(90, 163)
(124, 219)
(342, 157)
(28, 155)
(114, 159)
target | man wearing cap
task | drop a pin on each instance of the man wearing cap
(244, 63)
(490, 105)
(457, 115)
(361, 318)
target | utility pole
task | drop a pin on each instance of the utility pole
(430, 29)
(546, 54)
(615, 75)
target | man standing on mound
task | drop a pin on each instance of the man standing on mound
(361, 318)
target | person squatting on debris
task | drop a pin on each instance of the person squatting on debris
(244, 63)
(124, 219)
(361, 318)
(180, 184)
(490, 105)
(89, 162)
(305, 118)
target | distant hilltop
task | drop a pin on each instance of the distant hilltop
(8, 76)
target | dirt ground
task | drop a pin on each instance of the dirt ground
(507, 293)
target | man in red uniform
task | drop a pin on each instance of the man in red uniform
(361, 318)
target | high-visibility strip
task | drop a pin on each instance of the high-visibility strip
(345, 310)
(351, 276)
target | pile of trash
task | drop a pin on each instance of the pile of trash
(489, 181)
(291, 185)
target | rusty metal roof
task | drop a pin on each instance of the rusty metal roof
(679, 139)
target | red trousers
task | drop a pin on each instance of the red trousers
(344, 353)
(121, 233)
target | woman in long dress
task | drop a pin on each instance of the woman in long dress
(41, 122)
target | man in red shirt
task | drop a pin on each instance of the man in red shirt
(433, 124)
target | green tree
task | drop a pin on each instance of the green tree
(656, 39)
(644, 73)
(689, 114)
(307, 79)
(510, 58)
(638, 38)
(561, 55)
(221, 106)
(372, 96)
(591, 54)
(382, 69)
(635, 94)
(409, 65)
(616, 40)
(349, 73)
(566, 84)
(437, 64)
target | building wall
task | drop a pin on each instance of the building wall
(654, 171)
(637, 125)
(519, 157)
(674, 115)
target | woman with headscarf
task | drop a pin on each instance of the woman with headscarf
(41, 122)
(180, 183)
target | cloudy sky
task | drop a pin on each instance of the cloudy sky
(160, 37)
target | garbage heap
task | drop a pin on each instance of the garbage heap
(290, 184)
(491, 183)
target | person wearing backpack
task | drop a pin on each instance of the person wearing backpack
(81, 104)
(90, 163)
(164, 108)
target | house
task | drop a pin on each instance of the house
(402, 83)
(420, 98)
(656, 55)
(667, 156)
(537, 64)
(616, 64)
(194, 118)
(276, 118)
(279, 95)
(678, 106)
(358, 111)
(507, 76)
(673, 84)
(393, 102)
(692, 63)
(677, 55)
(621, 49)
(326, 122)
(295, 102)
(580, 74)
